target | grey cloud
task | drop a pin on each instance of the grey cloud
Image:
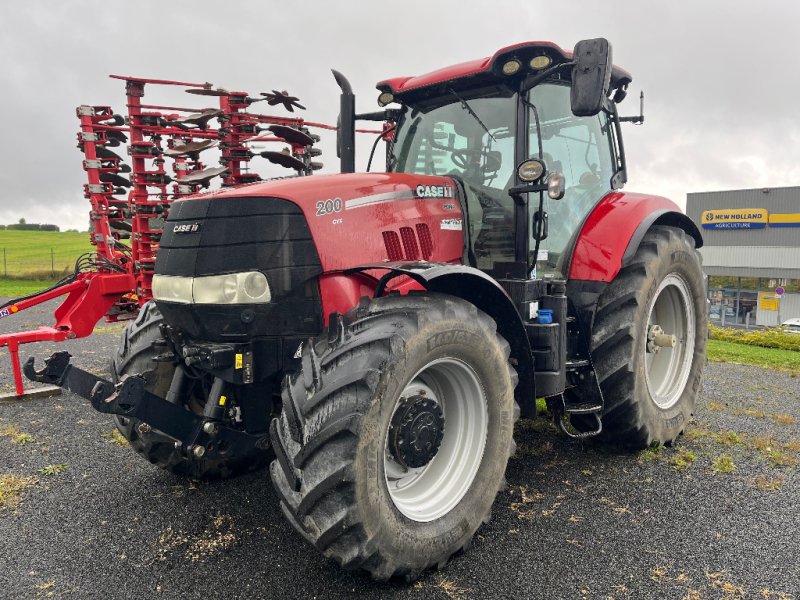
(719, 77)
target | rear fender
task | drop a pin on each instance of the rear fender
(342, 291)
(613, 231)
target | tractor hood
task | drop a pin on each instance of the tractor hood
(361, 218)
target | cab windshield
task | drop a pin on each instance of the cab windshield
(477, 148)
(447, 139)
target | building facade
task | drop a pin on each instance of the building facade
(751, 253)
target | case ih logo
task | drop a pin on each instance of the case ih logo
(186, 228)
(434, 191)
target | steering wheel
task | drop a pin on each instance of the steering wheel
(459, 156)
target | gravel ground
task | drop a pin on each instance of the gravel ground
(577, 521)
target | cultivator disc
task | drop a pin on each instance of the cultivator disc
(284, 159)
(204, 176)
(192, 149)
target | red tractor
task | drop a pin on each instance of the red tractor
(376, 335)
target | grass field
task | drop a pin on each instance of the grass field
(15, 288)
(771, 358)
(33, 252)
(32, 260)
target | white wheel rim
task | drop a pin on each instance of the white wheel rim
(433, 490)
(667, 371)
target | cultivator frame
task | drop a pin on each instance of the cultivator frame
(116, 278)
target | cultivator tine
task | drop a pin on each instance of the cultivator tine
(115, 179)
(178, 124)
(292, 135)
(202, 177)
(190, 148)
(118, 136)
(200, 119)
(105, 153)
(208, 92)
(289, 102)
(118, 120)
(284, 159)
(120, 225)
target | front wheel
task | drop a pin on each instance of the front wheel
(395, 435)
(649, 340)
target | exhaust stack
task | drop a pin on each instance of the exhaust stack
(346, 125)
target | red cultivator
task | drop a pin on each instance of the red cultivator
(129, 202)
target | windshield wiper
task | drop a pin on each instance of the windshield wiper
(468, 108)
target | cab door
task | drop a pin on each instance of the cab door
(580, 148)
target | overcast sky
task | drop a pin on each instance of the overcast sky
(721, 79)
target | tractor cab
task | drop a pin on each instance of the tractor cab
(532, 160)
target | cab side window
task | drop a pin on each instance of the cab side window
(581, 149)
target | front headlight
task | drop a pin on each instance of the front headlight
(234, 288)
(172, 289)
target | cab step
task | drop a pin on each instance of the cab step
(577, 364)
(563, 411)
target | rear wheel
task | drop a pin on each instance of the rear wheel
(649, 340)
(141, 342)
(395, 435)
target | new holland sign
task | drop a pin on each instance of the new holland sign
(735, 218)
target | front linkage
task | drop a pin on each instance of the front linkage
(196, 436)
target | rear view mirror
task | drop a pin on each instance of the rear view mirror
(591, 76)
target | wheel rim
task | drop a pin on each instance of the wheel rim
(667, 369)
(429, 492)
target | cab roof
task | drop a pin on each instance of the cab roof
(484, 72)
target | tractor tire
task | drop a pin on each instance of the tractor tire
(398, 381)
(650, 389)
(140, 342)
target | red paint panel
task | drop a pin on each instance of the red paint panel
(341, 292)
(607, 231)
(371, 203)
(399, 85)
(473, 67)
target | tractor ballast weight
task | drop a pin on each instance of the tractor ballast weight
(384, 330)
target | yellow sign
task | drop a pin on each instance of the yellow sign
(238, 361)
(735, 218)
(767, 301)
(784, 220)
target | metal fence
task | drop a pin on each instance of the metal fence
(44, 262)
